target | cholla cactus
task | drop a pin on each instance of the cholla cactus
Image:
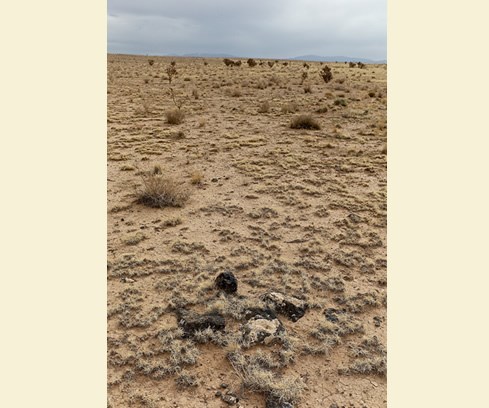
(326, 74)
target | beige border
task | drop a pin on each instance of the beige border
(54, 204)
(437, 204)
(53, 218)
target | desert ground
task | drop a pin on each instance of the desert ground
(297, 215)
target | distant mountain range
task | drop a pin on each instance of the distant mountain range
(337, 59)
(299, 58)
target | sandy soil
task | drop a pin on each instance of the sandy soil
(301, 212)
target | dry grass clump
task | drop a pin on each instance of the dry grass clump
(174, 117)
(290, 107)
(305, 122)
(185, 380)
(256, 378)
(135, 239)
(160, 191)
(196, 177)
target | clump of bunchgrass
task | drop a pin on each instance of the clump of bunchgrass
(174, 117)
(305, 122)
(160, 191)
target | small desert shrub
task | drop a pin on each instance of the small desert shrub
(308, 89)
(151, 62)
(351, 64)
(324, 109)
(271, 64)
(146, 81)
(251, 62)
(206, 63)
(305, 65)
(264, 107)
(304, 122)
(290, 107)
(340, 102)
(261, 84)
(371, 94)
(361, 65)
(196, 177)
(174, 117)
(326, 74)
(160, 191)
(274, 79)
(195, 94)
(185, 379)
(178, 135)
(135, 239)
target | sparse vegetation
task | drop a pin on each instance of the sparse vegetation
(305, 122)
(174, 117)
(326, 74)
(160, 191)
(297, 217)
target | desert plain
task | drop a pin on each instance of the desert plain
(297, 215)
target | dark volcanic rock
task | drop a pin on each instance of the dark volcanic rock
(190, 322)
(290, 306)
(227, 282)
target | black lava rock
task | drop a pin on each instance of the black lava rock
(289, 306)
(190, 323)
(227, 282)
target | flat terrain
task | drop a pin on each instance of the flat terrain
(299, 212)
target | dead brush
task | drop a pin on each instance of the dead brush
(159, 191)
(305, 122)
(174, 117)
(259, 379)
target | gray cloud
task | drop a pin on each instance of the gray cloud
(259, 28)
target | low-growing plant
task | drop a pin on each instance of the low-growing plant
(304, 122)
(174, 117)
(251, 62)
(340, 102)
(160, 191)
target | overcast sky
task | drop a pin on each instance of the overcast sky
(251, 28)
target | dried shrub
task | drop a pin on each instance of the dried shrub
(351, 64)
(151, 62)
(171, 71)
(174, 117)
(160, 191)
(271, 64)
(264, 107)
(251, 62)
(290, 107)
(326, 74)
(305, 122)
(340, 102)
(308, 89)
